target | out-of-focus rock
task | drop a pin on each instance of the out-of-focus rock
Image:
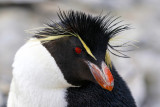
(22, 1)
(1, 100)
(149, 62)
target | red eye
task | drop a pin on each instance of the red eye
(78, 50)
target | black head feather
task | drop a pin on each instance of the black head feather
(96, 31)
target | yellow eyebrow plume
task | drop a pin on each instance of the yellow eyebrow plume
(108, 59)
(86, 47)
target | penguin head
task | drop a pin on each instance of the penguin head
(78, 46)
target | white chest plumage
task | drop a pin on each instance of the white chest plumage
(36, 97)
(37, 80)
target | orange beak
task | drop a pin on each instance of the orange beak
(103, 76)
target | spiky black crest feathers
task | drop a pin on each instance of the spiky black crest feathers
(95, 31)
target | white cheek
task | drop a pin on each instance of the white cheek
(34, 65)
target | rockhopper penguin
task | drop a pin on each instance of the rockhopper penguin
(67, 64)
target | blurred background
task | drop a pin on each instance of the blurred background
(141, 71)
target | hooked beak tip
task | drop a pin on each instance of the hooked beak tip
(109, 87)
